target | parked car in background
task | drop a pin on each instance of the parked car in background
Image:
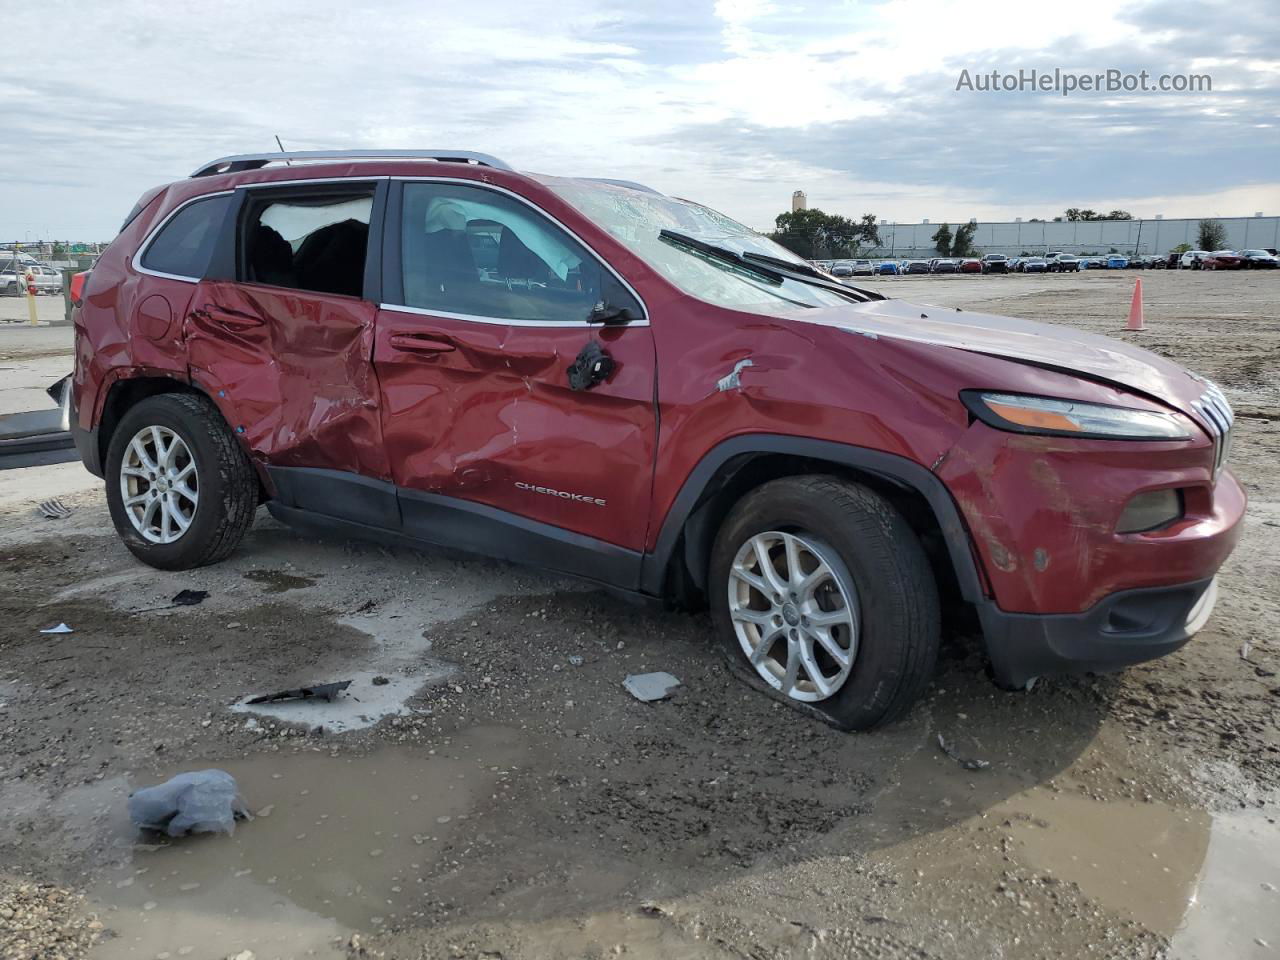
(811, 512)
(863, 268)
(1116, 261)
(995, 263)
(48, 279)
(1222, 260)
(970, 265)
(1192, 260)
(916, 266)
(888, 268)
(842, 268)
(1011, 265)
(942, 265)
(1259, 260)
(1062, 263)
(1033, 265)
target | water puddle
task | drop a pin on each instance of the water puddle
(1141, 860)
(277, 581)
(338, 843)
(1235, 907)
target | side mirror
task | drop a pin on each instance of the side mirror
(610, 316)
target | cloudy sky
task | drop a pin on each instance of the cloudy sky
(735, 103)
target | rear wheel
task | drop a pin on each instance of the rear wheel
(180, 489)
(822, 595)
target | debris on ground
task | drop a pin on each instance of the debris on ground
(55, 509)
(60, 628)
(203, 801)
(321, 691)
(575, 661)
(380, 681)
(1245, 649)
(189, 598)
(968, 764)
(651, 686)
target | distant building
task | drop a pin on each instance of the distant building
(799, 201)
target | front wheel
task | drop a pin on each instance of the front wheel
(180, 489)
(822, 594)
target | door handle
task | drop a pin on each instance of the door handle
(420, 343)
(232, 319)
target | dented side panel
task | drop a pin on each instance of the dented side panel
(292, 373)
(486, 414)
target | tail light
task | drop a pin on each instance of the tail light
(78, 282)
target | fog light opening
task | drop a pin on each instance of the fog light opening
(1150, 511)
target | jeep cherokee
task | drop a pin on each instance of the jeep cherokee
(587, 375)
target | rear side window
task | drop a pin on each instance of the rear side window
(471, 251)
(315, 241)
(183, 246)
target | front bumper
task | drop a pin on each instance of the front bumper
(1124, 628)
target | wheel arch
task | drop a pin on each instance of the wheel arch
(126, 392)
(678, 565)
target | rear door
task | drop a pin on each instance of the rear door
(283, 339)
(486, 307)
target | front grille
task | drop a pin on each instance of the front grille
(1218, 420)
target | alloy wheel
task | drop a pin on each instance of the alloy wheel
(159, 484)
(795, 612)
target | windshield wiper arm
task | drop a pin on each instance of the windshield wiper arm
(807, 274)
(719, 253)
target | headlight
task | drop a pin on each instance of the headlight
(1070, 418)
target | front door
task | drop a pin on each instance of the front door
(486, 309)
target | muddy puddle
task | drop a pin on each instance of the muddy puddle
(336, 844)
(277, 581)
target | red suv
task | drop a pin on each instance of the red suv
(590, 376)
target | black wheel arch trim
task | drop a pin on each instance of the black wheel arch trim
(892, 467)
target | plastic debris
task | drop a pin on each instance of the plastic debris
(1245, 649)
(575, 661)
(189, 598)
(203, 801)
(60, 628)
(320, 691)
(55, 509)
(651, 686)
(968, 764)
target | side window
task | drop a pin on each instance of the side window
(313, 240)
(185, 244)
(473, 251)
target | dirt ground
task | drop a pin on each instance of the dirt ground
(488, 789)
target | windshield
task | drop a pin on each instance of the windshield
(636, 219)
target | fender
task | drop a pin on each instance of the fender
(898, 469)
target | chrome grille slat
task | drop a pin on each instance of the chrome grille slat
(1218, 419)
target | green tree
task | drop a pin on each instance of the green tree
(59, 252)
(942, 240)
(962, 245)
(1118, 215)
(1211, 234)
(1181, 248)
(815, 235)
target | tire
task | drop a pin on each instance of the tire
(877, 574)
(225, 490)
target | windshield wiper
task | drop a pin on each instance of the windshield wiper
(719, 253)
(807, 274)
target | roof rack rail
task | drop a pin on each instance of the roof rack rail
(255, 161)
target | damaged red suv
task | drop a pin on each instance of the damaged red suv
(590, 376)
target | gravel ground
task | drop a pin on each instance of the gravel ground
(498, 794)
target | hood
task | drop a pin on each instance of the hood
(1026, 341)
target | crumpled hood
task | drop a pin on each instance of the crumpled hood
(1028, 341)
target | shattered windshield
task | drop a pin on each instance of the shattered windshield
(636, 218)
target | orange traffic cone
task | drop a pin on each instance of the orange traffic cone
(1135, 308)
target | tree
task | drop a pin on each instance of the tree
(1181, 248)
(962, 245)
(1075, 213)
(942, 240)
(58, 252)
(1118, 215)
(815, 235)
(1212, 235)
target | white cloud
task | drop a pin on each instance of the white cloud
(736, 103)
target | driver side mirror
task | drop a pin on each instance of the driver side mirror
(609, 315)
